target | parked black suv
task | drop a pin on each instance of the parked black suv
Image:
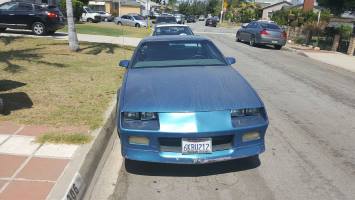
(20, 15)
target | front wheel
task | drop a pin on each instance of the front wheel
(2, 106)
(119, 23)
(278, 47)
(137, 25)
(2, 29)
(90, 20)
(38, 28)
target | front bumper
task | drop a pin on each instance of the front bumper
(178, 158)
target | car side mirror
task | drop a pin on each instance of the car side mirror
(153, 22)
(230, 60)
(124, 63)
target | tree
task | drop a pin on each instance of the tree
(338, 6)
(72, 36)
(214, 7)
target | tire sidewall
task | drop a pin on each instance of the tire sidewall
(43, 27)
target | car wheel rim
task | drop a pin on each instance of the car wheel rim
(38, 29)
(252, 41)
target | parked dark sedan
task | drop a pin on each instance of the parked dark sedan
(190, 19)
(211, 22)
(20, 15)
(262, 33)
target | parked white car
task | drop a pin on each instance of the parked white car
(131, 20)
(107, 17)
(90, 16)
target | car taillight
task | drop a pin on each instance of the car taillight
(284, 35)
(264, 32)
(51, 15)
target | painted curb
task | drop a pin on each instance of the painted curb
(81, 170)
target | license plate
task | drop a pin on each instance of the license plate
(274, 42)
(196, 146)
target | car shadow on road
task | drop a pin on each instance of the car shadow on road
(178, 170)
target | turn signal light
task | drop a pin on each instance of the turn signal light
(140, 140)
(250, 136)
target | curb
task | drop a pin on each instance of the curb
(299, 52)
(79, 174)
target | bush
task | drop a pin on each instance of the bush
(300, 40)
(77, 8)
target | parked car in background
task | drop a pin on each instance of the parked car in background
(182, 102)
(211, 22)
(131, 20)
(20, 15)
(180, 19)
(262, 33)
(201, 18)
(90, 16)
(190, 19)
(172, 29)
(166, 19)
(107, 17)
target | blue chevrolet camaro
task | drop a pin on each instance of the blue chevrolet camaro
(182, 102)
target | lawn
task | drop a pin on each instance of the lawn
(110, 29)
(44, 83)
(226, 24)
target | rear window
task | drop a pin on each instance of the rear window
(167, 20)
(173, 30)
(137, 17)
(270, 26)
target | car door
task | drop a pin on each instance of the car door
(250, 31)
(7, 14)
(124, 20)
(131, 21)
(24, 15)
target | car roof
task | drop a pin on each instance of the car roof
(167, 25)
(172, 38)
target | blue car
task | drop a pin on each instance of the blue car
(182, 102)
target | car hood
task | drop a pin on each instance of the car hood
(186, 89)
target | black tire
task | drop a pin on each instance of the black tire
(238, 40)
(38, 28)
(137, 25)
(2, 106)
(278, 47)
(252, 41)
(2, 29)
(119, 23)
(90, 20)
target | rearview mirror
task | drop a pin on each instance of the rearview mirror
(230, 60)
(124, 63)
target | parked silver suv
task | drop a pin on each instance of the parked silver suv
(131, 20)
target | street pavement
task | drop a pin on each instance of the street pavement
(310, 151)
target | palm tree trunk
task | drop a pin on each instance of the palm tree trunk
(72, 37)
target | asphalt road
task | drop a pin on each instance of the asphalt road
(310, 144)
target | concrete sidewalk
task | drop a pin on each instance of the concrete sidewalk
(129, 41)
(29, 170)
(329, 57)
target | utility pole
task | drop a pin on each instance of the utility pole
(221, 18)
(148, 12)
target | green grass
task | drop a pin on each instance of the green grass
(63, 138)
(46, 84)
(226, 24)
(110, 29)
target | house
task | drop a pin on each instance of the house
(268, 10)
(115, 7)
(265, 3)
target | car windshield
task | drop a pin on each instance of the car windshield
(173, 30)
(137, 17)
(269, 26)
(166, 20)
(177, 54)
(8, 6)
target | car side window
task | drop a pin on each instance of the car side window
(124, 17)
(250, 25)
(24, 7)
(39, 8)
(8, 6)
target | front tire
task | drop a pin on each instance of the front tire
(119, 23)
(90, 20)
(2, 29)
(38, 28)
(137, 25)
(278, 47)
